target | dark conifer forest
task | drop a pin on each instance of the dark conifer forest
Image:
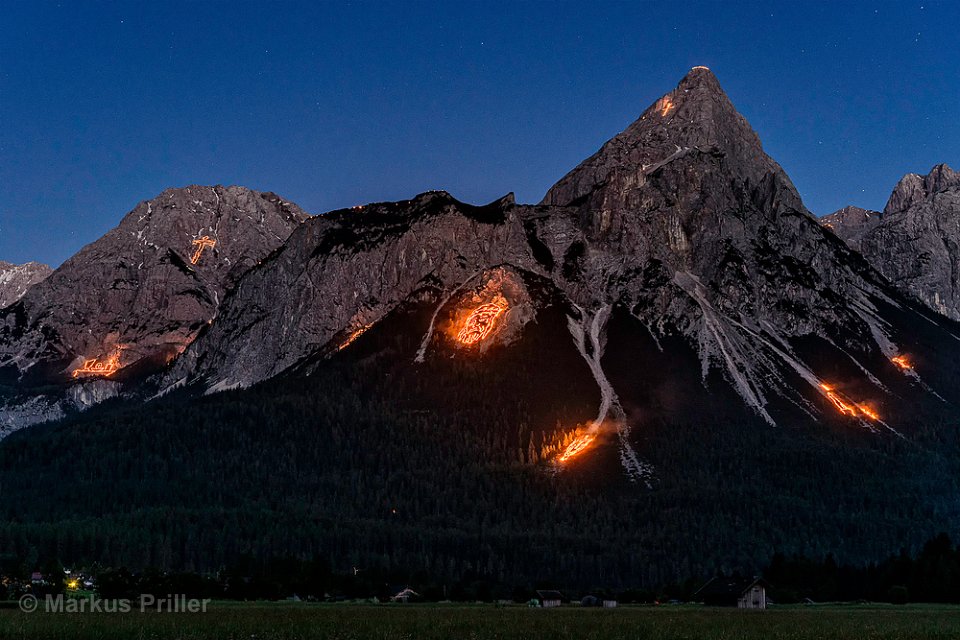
(366, 464)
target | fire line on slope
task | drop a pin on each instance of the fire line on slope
(580, 444)
(201, 243)
(902, 362)
(353, 336)
(586, 330)
(846, 406)
(97, 367)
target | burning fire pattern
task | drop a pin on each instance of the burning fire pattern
(353, 336)
(846, 406)
(580, 444)
(96, 367)
(665, 105)
(481, 321)
(902, 362)
(204, 242)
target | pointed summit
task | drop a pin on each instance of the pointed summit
(695, 124)
(851, 223)
(150, 284)
(914, 188)
(915, 242)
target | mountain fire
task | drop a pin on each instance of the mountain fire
(665, 105)
(201, 243)
(580, 444)
(902, 362)
(97, 367)
(847, 406)
(481, 321)
(353, 336)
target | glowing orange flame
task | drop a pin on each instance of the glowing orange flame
(204, 242)
(353, 336)
(97, 367)
(847, 406)
(665, 105)
(867, 411)
(481, 321)
(579, 445)
(902, 362)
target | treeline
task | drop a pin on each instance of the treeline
(932, 575)
(370, 463)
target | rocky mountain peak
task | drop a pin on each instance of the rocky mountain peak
(851, 214)
(914, 242)
(940, 178)
(851, 223)
(680, 245)
(144, 290)
(681, 227)
(695, 124)
(914, 188)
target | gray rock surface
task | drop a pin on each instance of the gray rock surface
(682, 223)
(917, 243)
(15, 279)
(682, 219)
(852, 223)
(136, 291)
(344, 271)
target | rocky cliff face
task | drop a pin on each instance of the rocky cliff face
(917, 243)
(140, 294)
(680, 229)
(15, 279)
(342, 272)
(679, 242)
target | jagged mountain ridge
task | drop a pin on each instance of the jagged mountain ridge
(916, 241)
(418, 370)
(131, 301)
(681, 224)
(137, 288)
(15, 279)
(852, 223)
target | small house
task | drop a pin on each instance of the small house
(743, 593)
(550, 598)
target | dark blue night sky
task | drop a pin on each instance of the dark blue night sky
(104, 105)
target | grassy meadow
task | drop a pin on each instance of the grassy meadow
(239, 621)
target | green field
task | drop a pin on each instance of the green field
(399, 622)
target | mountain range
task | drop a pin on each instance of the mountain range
(915, 241)
(667, 337)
